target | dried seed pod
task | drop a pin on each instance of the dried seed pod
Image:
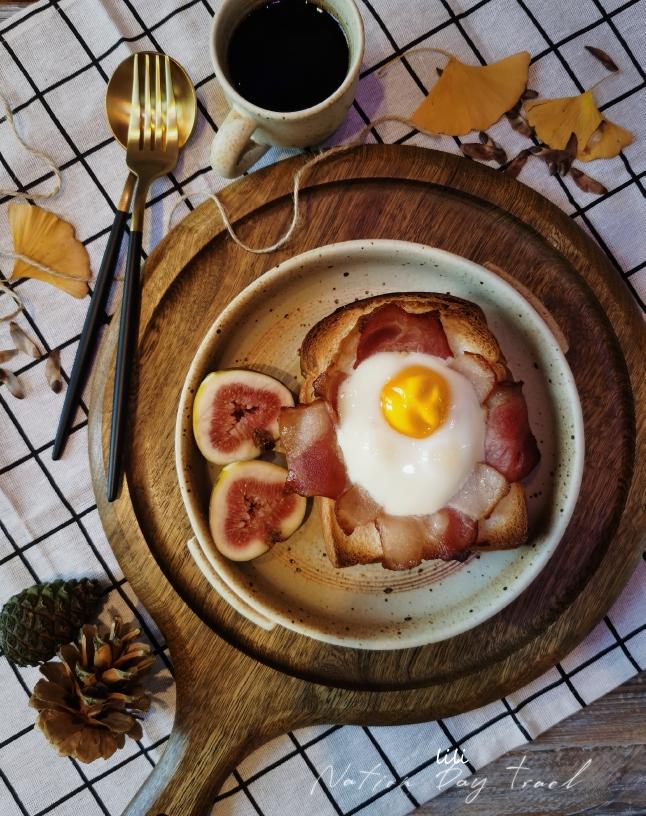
(484, 152)
(517, 163)
(7, 354)
(516, 109)
(53, 371)
(572, 145)
(558, 161)
(586, 183)
(605, 59)
(518, 123)
(23, 341)
(12, 382)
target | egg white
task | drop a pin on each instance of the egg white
(407, 476)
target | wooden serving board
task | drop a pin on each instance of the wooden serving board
(238, 685)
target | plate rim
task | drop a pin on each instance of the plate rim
(286, 268)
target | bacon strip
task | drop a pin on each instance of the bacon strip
(481, 492)
(510, 445)
(354, 508)
(391, 328)
(407, 540)
(314, 461)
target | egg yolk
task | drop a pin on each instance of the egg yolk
(415, 402)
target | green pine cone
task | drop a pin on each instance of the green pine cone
(37, 620)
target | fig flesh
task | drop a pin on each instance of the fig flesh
(235, 414)
(250, 511)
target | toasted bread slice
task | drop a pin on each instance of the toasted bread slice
(464, 324)
(506, 527)
(466, 330)
(363, 546)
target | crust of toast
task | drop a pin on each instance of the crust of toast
(506, 527)
(466, 329)
(464, 324)
(363, 546)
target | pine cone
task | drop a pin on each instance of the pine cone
(37, 620)
(90, 700)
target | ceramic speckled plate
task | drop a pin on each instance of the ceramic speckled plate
(294, 584)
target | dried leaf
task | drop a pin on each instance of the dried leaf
(517, 163)
(53, 371)
(555, 120)
(606, 142)
(47, 239)
(13, 383)
(605, 59)
(484, 152)
(7, 354)
(23, 341)
(586, 183)
(472, 97)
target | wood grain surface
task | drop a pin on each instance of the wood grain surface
(611, 734)
(407, 193)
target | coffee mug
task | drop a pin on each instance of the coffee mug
(248, 130)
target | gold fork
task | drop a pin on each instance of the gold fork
(153, 148)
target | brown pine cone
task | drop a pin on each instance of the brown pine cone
(92, 700)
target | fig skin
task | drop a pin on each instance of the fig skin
(211, 398)
(222, 518)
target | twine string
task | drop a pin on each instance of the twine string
(18, 256)
(7, 290)
(302, 171)
(299, 175)
(34, 152)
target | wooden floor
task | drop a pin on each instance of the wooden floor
(611, 733)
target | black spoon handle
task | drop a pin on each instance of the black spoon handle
(126, 353)
(93, 321)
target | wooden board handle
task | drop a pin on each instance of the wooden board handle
(226, 708)
(187, 778)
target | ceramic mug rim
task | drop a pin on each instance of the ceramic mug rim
(304, 113)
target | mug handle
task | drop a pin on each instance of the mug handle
(233, 152)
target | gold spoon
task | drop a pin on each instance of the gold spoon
(118, 102)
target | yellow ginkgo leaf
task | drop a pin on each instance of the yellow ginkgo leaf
(555, 120)
(45, 238)
(606, 142)
(473, 97)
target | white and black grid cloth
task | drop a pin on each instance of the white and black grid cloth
(55, 61)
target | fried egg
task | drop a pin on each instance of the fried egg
(410, 429)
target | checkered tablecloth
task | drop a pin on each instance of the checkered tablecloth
(55, 60)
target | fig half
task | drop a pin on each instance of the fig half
(235, 414)
(250, 510)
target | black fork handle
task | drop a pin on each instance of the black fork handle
(93, 321)
(126, 353)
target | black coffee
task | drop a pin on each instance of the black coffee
(287, 55)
